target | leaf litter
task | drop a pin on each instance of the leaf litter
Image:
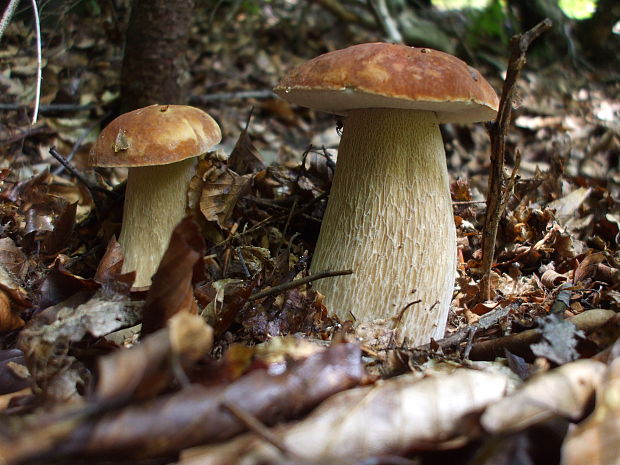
(216, 375)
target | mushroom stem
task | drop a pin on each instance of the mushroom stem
(389, 218)
(155, 202)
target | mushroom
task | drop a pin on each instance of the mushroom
(159, 144)
(389, 215)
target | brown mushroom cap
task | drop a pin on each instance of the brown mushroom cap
(155, 135)
(380, 75)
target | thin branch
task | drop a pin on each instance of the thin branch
(7, 16)
(254, 425)
(268, 220)
(386, 21)
(298, 282)
(69, 167)
(52, 107)
(225, 96)
(496, 200)
(37, 26)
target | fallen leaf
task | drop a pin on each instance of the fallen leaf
(196, 414)
(393, 417)
(559, 340)
(565, 392)
(596, 441)
(244, 158)
(145, 369)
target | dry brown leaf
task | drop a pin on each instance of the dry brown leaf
(245, 158)
(9, 319)
(564, 391)
(12, 258)
(197, 414)
(109, 272)
(596, 441)
(12, 289)
(46, 339)
(393, 417)
(220, 194)
(147, 368)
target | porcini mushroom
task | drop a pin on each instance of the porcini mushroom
(159, 144)
(389, 215)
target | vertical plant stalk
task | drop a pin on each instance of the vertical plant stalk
(7, 16)
(37, 97)
(499, 185)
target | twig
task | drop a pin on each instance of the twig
(346, 14)
(22, 135)
(271, 219)
(298, 282)
(52, 107)
(37, 26)
(69, 167)
(225, 96)
(468, 202)
(78, 142)
(386, 21)
(497, 181)
(244, 267)
(255, 426)
(7, 15)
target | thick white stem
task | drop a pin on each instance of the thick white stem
(389, 218)
(155, 202)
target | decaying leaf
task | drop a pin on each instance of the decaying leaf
(197, 414)
(221, 191)
(46, 339)
(148, 367)
(559, 339)
(9, 318)
(596, 441)
(244, 158)
(565, 392)
(12, 258)
(393, 417)
(109, 272)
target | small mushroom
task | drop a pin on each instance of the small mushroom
(159, 144)
(389, 215)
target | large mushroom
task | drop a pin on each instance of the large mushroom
(389, 215)
(159, 144)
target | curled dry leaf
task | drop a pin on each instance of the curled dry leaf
(596, 441)
(9, 318)
(393, 417)
(109, 273)
(565, 391)
(197, 414)
(149, 367)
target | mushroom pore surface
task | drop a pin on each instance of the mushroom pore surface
(389, 218)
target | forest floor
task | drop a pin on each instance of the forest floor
(529, 377)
